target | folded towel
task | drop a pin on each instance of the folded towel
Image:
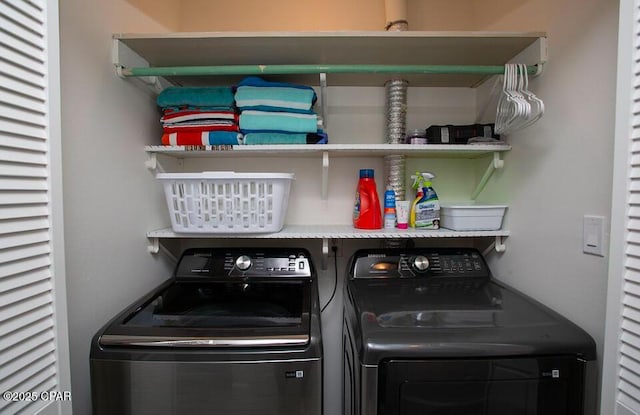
(196, 96)
(262, 121)
(282, 138)
(189, 115)
(274, 98)
(191, 138)
(174, 108)
(222, 125)
(259, 82)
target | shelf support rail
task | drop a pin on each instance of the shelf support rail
(325, 253)
(496, 163)
(324, 105)
(325, 175)
(316, 69)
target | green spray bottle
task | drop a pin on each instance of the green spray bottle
(418, 183)
(425, 209)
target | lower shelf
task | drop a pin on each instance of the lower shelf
(333, 232)
(327, 232)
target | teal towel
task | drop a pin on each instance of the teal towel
(196, 97)
(275, 138)
(274, 97)
(278, 121)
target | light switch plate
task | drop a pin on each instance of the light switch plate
(593, 240)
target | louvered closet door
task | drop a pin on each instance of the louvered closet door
(29, 352)
(621, 368)
(629, 347)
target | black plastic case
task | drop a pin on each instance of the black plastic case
(459, 134)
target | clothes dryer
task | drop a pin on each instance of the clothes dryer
(431, 332)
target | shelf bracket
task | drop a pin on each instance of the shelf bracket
(152, 161)
(496, 163)
(124, 58)
(325, 175)
(500, 246)
(325, 253)
(154, 245)
(535, 54)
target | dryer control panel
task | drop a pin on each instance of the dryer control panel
(416, 263)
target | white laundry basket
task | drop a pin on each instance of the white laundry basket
(226, 202)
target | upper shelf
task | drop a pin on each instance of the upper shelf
(334, 48)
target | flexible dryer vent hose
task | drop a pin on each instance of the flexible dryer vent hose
(396, 104)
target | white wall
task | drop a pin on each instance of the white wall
(561, 168)
(165, 12)
(109, 196)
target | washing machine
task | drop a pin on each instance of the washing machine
(431, 332)
(233, 332)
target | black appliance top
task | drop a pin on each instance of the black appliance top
(230, 298)
(423, 303)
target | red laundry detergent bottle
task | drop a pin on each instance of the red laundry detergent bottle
(366, 210)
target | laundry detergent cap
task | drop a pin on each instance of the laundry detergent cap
(366, 173)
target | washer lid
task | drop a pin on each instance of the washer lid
(217, 314)
(424, 318)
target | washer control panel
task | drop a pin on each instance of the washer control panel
(442, 262)
(226, 264)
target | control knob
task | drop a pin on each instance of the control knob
(243, 262)
(420, 263)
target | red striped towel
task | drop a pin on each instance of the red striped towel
(193, 138)
(176, 116)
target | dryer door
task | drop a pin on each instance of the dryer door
(530, 386)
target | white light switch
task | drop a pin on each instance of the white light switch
(593, 235)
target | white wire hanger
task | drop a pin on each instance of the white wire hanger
(517, 107)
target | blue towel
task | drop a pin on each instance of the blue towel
(276, 109)
(275, 98)
(257, 81)
(262, 121)
(220, 97)
(224, 137)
